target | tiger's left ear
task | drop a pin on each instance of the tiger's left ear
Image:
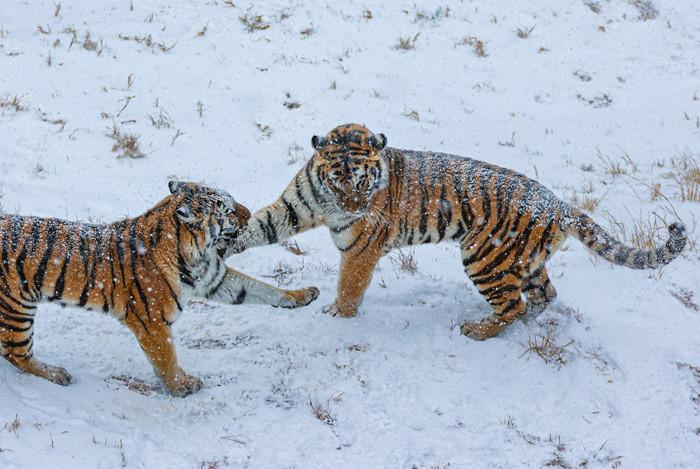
(176, 187)
(378, 141)
(318, 142)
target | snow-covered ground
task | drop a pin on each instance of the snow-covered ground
(599, 100)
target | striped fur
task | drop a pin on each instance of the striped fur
(374, 199)
(140, 270)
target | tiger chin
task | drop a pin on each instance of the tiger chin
(140, 270)
(374, 198)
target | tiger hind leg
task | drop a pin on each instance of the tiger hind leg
(17, 340)
(539, 291)
(504, 296)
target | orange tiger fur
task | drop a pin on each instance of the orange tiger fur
(141, 270)
(374, 199)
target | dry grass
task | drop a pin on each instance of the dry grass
(647, 10)
(643, 233)
(686, 174)
(282, 274)
(412, 114)
(12, 102)
(405, 261)
(13, 426)
(686, 296)
(524, 31)
(90, 44)
(264, 129)
(307, 32)
(322, 413)
(162, 120)
(211, 464)
(133, 384)
(253, 22)
(125, 144)
(587, 203)
(593, 6)
(407, 43)
(610, 167)
(148, 42)
(545, 347)
(293, 247)
(477, 45)
(367, 14)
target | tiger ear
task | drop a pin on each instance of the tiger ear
(175, 187)
(184, 213)
(318, 142)
(379, 141)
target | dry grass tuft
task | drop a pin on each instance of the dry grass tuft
(133, 384)
(586, 203)
(476, 44)
(90, 44)
(524, 32)
(593, 6)
(685, 296)
(405, 261)
(544, 346)
(148, 42)
(643, 233)
(125, 144)
(13, 426)
(253, 23)
(322, 413)
(407, 43)
(282, 274)
(13, 102)
(162, 120)
(293, 247)
(412, 114)
(647, 10)
(686, 174)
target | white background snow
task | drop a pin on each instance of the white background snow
(594, 88)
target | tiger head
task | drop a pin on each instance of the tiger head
(213, 217)
(349, 162)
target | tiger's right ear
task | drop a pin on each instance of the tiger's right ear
(175, 187)
(318, 142)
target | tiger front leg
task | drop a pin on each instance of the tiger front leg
(155, 338)
(356, 269)
(238, 288)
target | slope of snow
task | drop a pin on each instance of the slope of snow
(585, 96)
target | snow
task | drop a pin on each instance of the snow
(397, 386)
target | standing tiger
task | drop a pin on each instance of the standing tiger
(374, 199)
(141, 270)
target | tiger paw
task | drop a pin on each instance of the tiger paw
(334, 310)
(184, 385)
(299, 298)
(480, 330)
(56, 374)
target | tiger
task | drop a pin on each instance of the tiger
(141, 270)
(375, 198)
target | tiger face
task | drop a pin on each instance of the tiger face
(349, 163)
(213, 217)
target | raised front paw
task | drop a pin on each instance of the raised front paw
(299, 298)
(184, 385)
(480, 330)
(334, 310)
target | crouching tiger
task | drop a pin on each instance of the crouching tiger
(374, 199)
(141, 270)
